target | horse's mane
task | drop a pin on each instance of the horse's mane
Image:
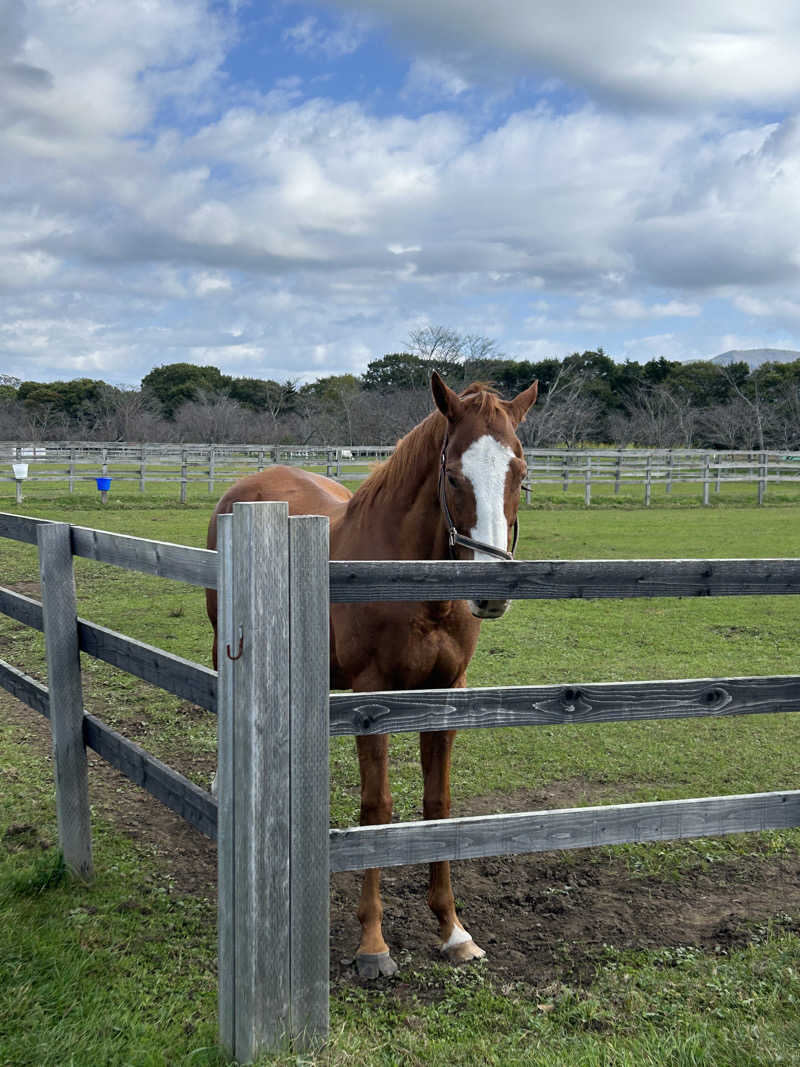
(410, 462)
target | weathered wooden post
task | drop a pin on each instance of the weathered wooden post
(648, 479)
(273, 779)
(60, 616)
(617, 472)
(184, 475)
(142, 467)
(706, 476)
(762, 477)
(668, 486)
(72, 470)
(587, 491)
(211, 469)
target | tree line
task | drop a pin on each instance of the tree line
(586, 398)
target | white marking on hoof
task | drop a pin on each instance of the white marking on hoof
(459, 947)
(458, 937)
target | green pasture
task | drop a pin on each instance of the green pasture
(123, 973)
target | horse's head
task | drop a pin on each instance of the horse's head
(481, 475)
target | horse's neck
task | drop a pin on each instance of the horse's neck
(397, 515)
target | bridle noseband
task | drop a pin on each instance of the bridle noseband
(456, 538)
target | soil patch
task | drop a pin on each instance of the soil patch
(541, 918)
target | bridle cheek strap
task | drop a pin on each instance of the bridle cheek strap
(454, 537)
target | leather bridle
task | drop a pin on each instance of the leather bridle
(456, 538)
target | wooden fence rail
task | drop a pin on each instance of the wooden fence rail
(212, 465)
(276, 715)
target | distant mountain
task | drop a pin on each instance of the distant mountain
(754, 357)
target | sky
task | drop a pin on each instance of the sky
(287, 190)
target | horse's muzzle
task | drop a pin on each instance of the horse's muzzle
(488, 609)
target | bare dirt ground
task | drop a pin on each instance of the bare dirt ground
(541, 918)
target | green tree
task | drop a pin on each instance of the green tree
(259, 394)
(397, 370)
(175, 383)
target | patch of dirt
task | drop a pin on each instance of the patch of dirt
(541, 918)
(31, 589)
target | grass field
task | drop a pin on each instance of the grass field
(124, 973)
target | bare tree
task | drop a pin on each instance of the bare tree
(437, 343)
(658, 417)
(758, 408)
(786, 420)
(212, 417)
(564, 415)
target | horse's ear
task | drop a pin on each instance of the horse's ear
(445, 399)
(519, 406)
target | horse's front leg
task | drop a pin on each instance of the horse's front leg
(372, 957)
(456, 942)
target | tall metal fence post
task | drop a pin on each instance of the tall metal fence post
(272, 780)
(60, 617)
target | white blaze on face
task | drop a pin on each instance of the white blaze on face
(486, 464)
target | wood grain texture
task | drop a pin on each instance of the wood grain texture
(548, 705)
(261, 776)
(197, 566)
(226, 852)
(59, 612)
(500, 835)
(309, 779)
(560, 579)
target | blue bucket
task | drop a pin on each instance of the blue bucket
(103, 484)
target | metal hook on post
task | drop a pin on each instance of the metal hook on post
(239, 650)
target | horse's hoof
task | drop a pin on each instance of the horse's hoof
(464, 952)
(375, 965)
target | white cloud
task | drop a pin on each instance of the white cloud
(152, 214)
(434, 77)
(700, 55)
(211, 282)
(779, 308)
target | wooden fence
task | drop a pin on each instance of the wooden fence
(215, 465)
(275, 716)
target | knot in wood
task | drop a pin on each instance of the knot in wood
(367, 716)
(716, 697)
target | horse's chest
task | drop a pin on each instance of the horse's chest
(402, 646)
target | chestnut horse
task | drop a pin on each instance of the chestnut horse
(460, 469)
